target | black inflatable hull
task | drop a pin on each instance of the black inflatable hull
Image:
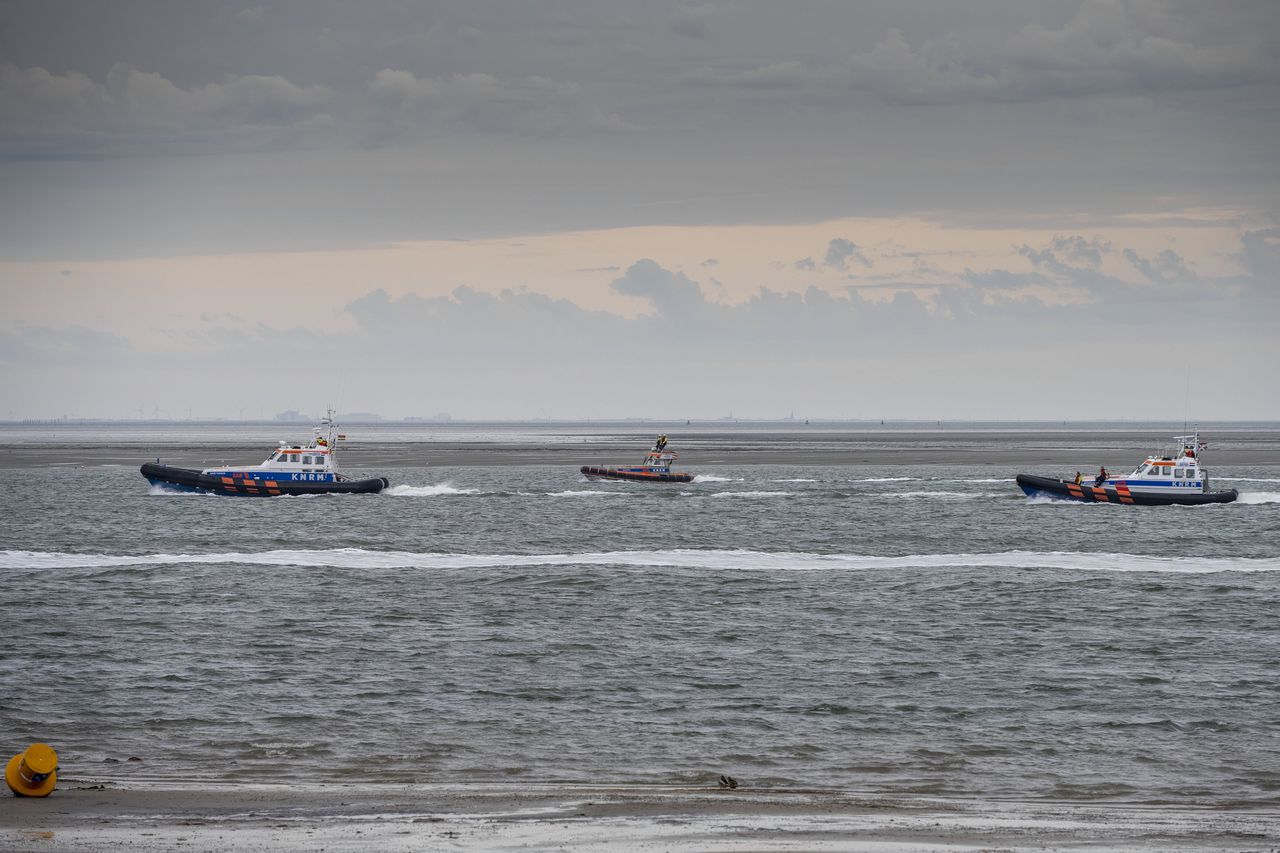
(188, 480)
(634, 476)
(1086, 492)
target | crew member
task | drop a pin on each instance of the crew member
(1102, 476)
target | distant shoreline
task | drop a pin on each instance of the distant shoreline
(696, 424)
(1080, 449)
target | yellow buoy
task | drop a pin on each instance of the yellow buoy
(33, 773)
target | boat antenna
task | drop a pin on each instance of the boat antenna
(1186, 399)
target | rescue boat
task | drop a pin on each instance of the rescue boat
(1159, 481)
(656, 468)
(291, 469)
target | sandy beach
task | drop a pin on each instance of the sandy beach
(84, 815)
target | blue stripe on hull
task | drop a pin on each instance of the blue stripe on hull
(278, 476)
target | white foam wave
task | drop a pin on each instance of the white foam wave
(714, 560)
(794, 480)
(935, 495)
(712, 478)
(752, 494)
(435, 491)
(165, 492)
(1250, 479)
(885, 480)
(1259, 498)
(580, 493)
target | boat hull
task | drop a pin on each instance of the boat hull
(1048, 487)
(595, 473)
(189, 480)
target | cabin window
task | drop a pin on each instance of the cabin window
(1180, 473)
(306, 460)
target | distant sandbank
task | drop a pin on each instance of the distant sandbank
(1118, 450)
(84, 815)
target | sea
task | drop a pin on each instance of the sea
(893, 629)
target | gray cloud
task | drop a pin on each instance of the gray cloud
(519, 352)
(1167, 267)
(1106, 48)
(840, 251)
(531, 104)
(694, 21)
(67, 346)
(44, 108)
(332, 128)
(683, 323)
(1260, 255)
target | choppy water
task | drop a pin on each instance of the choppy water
(904, 629)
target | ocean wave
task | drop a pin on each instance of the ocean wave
(1250, 479)
(1259, 498)
(712, 478)
(435, 491)
(752, 494)
(887, 480)
(686, 558)
(580, 493)
(794, 480)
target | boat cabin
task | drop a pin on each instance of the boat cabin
(1182, 472)
(315, 461)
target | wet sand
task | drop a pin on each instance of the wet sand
(1118, 450)
(83, 815)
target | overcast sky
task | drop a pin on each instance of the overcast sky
(976, 210)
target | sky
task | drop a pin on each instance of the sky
(1032, 209)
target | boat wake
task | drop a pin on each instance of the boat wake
(709, 560)
(161, 491)
(1259, 498)
(435, 491)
